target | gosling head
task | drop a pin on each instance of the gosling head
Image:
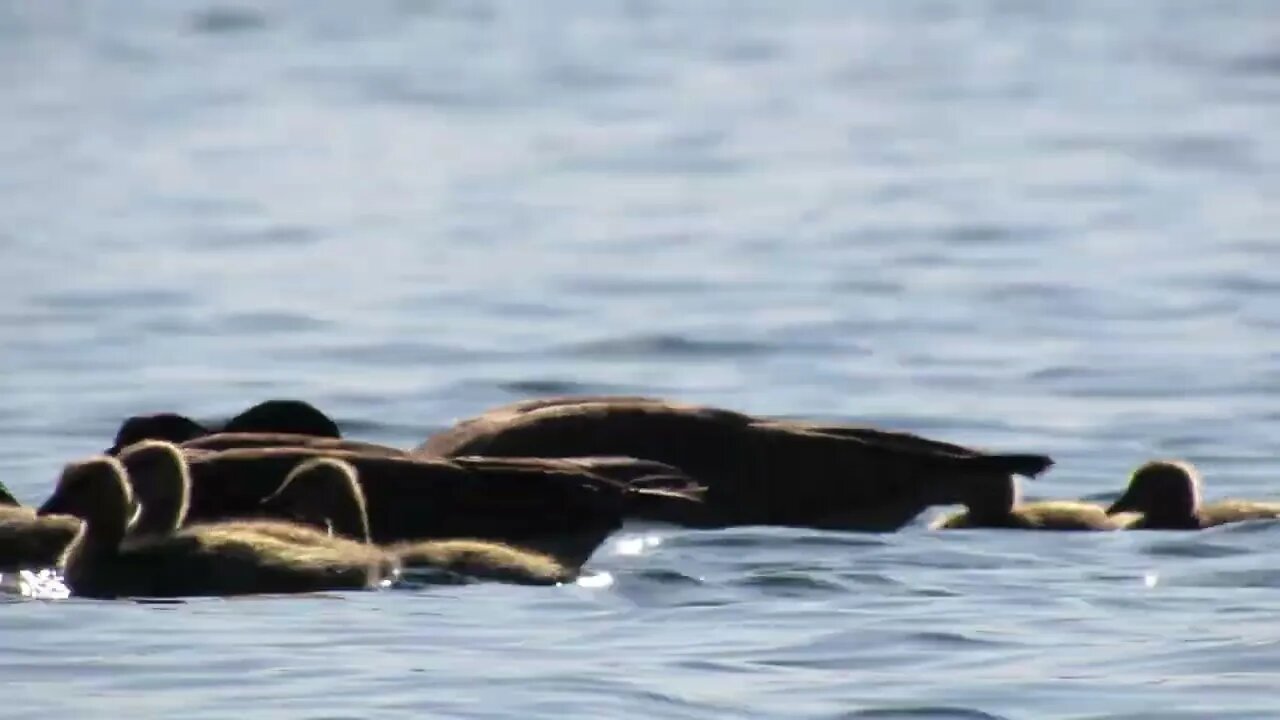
(1162, 490)
(161, 426)
(161, 481)
(284, 416)
(324, 492)
(98, 485)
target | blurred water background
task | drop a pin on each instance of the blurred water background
(1037, 226)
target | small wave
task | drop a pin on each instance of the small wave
(551, 386)
(1192, 547)
(790, 584)
(663, 576)
(1266, 63)
(1257, 578)
(227, 19)
(837, 540)
(267, 322)
(666, 346)
(941, 712)
(952, 639)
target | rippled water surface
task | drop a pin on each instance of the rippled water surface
(1037, 226)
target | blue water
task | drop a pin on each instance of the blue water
(1035, 226)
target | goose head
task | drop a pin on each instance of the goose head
(284, 416)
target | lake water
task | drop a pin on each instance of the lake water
(1027, 226)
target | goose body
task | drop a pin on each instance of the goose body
(326, 491)
(1167, 496)
(757, 470)
(201, 560)
(565, 509)
(233, 440)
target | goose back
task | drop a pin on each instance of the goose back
(234, 440)
(756, 471)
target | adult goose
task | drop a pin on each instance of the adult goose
(1167, 494)
(757, 470)
(271, 416)
(201, 560)
(326, 492)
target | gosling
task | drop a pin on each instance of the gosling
(1167, 494)
(327, 491)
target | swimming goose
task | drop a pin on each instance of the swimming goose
(1167, 493)
(206, 560)
(326, 492)
(757, 470)
(271, 416)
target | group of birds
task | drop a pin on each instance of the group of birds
(275, 500)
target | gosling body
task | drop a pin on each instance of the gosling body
(1041, 515)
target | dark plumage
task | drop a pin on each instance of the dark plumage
(533, 504)
(162, 487)
(160, 426)
(326, 492)
(757, 471)
(202, 560)
(270, 416)
(232, 440)
(1167, 495)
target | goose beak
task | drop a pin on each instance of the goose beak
(1124, 504)
(55, 505)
